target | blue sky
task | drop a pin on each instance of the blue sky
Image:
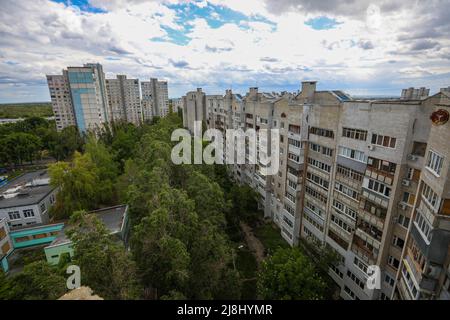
(363, 48)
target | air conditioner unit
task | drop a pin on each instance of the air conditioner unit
(371, 147)
(412, 157)
(406, 183)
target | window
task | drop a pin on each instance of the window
(310, 191)
(403, 221)
(312, 207)
(292, 184)
(289, 209)
(354, 134)
(350, 293)
(29, 213)
(317, 180)
(349, 173)
(294, 129)
(337, 271)
(322, 132)
(14, 215)
(382, 165)
(355, 279)
(290, 197)
(389, 280)
(374, 209)
(319, 165)
(293, 157)
(393, 262)
(398, 242)
(384, 141)
(341, 223)
(430, 197)
(352, 154)
(43, 207)
(360, 265)
(288, 222)
(434, 162)
(294, 143)
(346, 191)
(321, 149)
(378, 187)
(313, 223)
(343, 209)
(424, 226)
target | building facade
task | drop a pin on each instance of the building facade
(26, 200)
(124, 99)
(87, 107)
(156, 96)
(352, 173)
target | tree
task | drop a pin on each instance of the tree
(37, 281)
(106, 169)
(62, 145)
(289, 275)
(78, 183)
(106, 266)
(18, 147)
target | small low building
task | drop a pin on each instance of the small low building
(115, 220)
(26, 200)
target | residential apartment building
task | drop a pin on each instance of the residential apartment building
(87, 106)
(155, 96)
(124, 99)
(424, 270)
(194, 108)
(177, 104)
(350, 175)
(61, 100)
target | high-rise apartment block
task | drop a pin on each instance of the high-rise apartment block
(156, 97)
(124, 99)
(368, 178)
(81, 96)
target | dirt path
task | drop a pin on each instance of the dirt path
(255, 246)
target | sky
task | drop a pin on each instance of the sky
(360, 46)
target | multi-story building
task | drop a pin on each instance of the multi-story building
(353, 175)
(124, 99)
(157, 93)
(424, 267)
(26, 200)
(79, 97)
(61, 100)
(194, 108)
(177, 104)
(5, 244)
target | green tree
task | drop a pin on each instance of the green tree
(106, 267)
(290, 275)
(18, 147)
(38, 281)
(78, 183)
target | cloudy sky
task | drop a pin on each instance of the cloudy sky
(361, 46)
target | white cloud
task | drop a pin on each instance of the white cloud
(40, 37)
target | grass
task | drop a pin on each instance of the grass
(25, 110)
(270, 237)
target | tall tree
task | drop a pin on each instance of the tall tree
(106, 267)
(290, 275)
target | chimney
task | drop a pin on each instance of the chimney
(308, 89)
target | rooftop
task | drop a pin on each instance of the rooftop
(27, 189)
(112, 218)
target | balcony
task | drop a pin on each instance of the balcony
(293, 177)
(296, 150)
(380, 175)
(369, 256)
(294, 135)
